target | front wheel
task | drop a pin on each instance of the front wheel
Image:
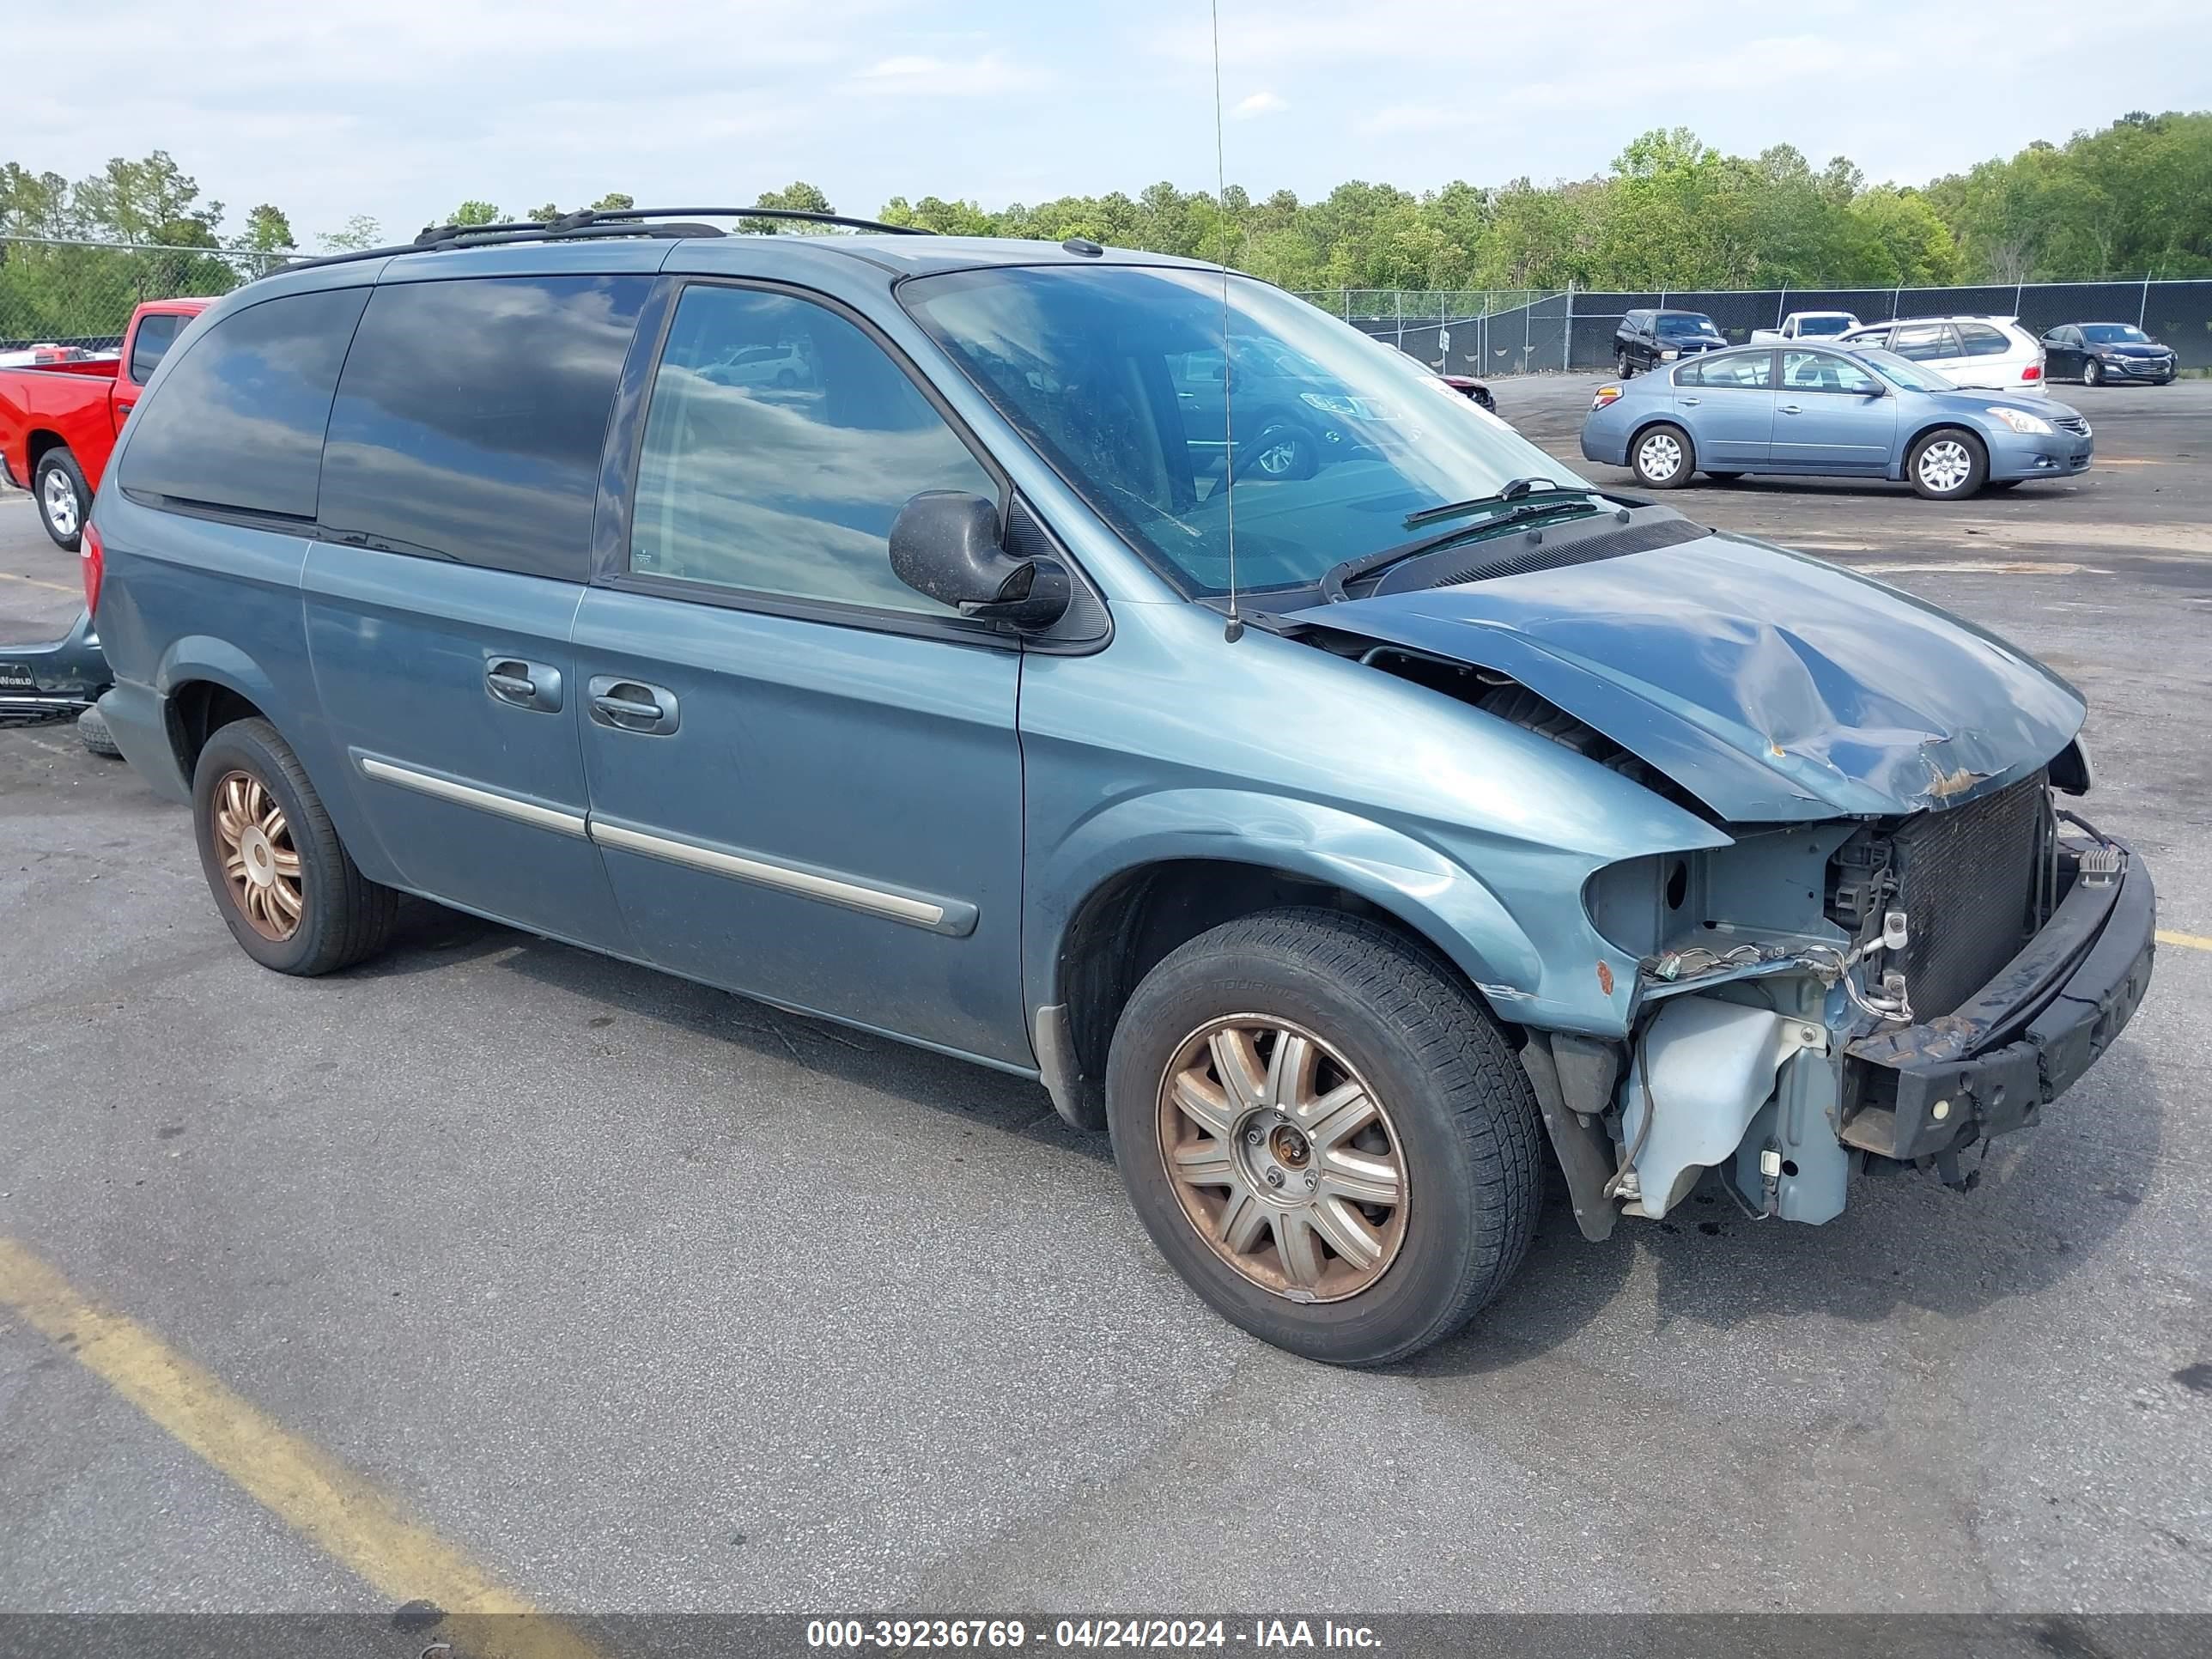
(1283, 450)
(285, 883)
(63, 497)
(1663, 458)
(1325, 1134)
(1948, 465)
(2092, 373)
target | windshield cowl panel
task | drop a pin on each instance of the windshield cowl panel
(1126, 381)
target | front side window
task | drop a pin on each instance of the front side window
(1821, 371)
(156, 334)
(470, 421)
(1980, 340)
(238, 425)
(1338, 437)
(1749, 371)
(781, 443)
(1924, 341)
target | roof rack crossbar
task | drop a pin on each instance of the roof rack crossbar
(591, 223)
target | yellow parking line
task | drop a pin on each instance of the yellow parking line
(33, 581)
(2186, 941)
(349, 1520)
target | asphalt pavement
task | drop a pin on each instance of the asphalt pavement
(644, 1298)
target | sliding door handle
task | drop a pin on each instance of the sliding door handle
(622, 705)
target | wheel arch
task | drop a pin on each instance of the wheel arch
(1928, 428)
(206, 683)
(36, 444)
(1131, 899)
(1668, 418)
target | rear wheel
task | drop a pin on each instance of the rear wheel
(1663, 458)
(63, 497)
(1622, 367)
(286, 886)
(1948, 464)
(1325, 1134)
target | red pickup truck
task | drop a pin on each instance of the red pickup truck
(58, 420)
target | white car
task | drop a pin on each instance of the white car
(1807, 325)
(1993, 354)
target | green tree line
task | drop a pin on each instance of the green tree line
(2133, 199)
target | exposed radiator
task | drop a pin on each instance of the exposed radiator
(1967, 877)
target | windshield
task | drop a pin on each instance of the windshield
(1835, 325)
(1112, 373)
(2113, 334)
(1899, 371)
(1685, 322)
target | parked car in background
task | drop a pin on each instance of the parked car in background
(1647, 338)
(1994, 353)
(58, 420)
(1474, 391)
(2094, 353)
(1323, 834)
(1835, 411)
(1806, 326)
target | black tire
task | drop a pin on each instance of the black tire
(1974, 474)
(343, 917)
(1723, 477)
(2092, 373)
(59, 464)
(1649, 450)
(1462, 1116)
(786, 379)
(92, 731)
(1622, 367)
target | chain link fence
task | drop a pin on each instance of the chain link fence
(82, 293)
(1486, 332)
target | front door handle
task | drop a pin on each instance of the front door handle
(623, 705)
(525, 684)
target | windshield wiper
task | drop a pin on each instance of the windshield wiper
(1512, 490)
(1333, 579)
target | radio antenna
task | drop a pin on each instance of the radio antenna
(1235, 631)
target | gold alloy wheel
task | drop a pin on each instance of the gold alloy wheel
(1282, 1157)
(260, 865)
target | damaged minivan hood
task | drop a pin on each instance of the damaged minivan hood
(1769, 685)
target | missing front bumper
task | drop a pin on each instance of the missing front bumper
(2025, 1038)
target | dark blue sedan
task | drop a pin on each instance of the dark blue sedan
(1832, 411)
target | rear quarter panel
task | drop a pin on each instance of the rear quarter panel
(71, 406)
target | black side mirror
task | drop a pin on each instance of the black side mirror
(945, 543)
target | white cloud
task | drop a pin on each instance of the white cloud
(1259, 103)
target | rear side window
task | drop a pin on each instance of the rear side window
(1924, 341)
(156, 335)
(239, 423)
(1982, 341)
(471, 416)
(1753, 371)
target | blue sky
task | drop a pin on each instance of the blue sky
(401, 108)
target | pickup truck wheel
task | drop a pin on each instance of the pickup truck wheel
(1664, 458)
(63, 497)
(1621, 366)
(284, 881)
(1325, 1133)
(1948, 464)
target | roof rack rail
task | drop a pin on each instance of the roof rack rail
(586, 222)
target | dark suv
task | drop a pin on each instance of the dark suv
(857, 623)
(1647, 338)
